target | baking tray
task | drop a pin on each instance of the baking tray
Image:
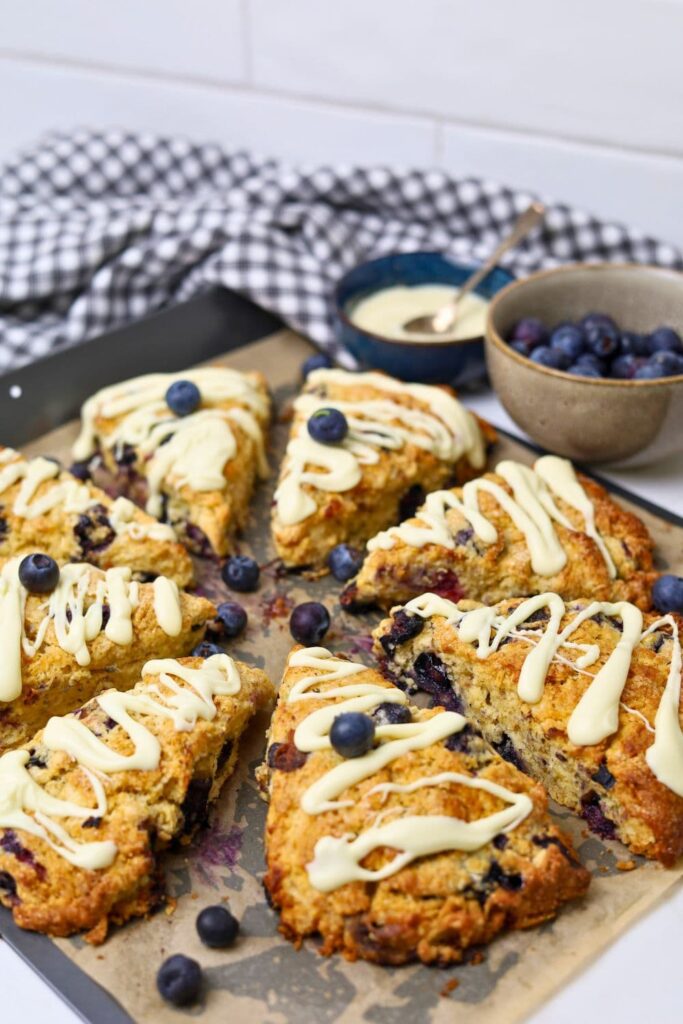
(214, 324)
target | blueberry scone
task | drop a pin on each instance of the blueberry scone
(88, 805)
(188, 447)
(88, 630)
(44, 508)
(583, 695)
(398, 834)
(515, 531)
(362, 446)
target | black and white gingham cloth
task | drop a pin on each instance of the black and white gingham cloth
(99, 228)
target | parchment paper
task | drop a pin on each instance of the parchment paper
(263, 978)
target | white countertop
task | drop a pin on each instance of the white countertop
(636, 979)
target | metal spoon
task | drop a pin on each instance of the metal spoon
(443, 320)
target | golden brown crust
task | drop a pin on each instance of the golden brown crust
(88, 536)
(53, 683)
(219, 515)
(438, 906)
(353, 516)
(146, 811)
(609, 783)
(492, 572)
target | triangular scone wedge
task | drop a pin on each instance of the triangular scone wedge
(44, 508)
(403, 440)
(81, 831)
(94, 632)
(196, 472)
(426, 846)
(583, 695)
(515, 531)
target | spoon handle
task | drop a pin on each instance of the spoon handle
(525, 223)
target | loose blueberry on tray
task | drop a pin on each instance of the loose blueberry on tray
(319, 361)
(328, 426)
(344, 562)
(352, 734)
(231, 619)
(667, 594)
(597, 347)
(309, 622)
(241, 573)
(179, 980)
(183, 397)
(217, 927)
(206, 650)
(39, 574)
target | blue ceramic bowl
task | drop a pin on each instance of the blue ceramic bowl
(446, 362)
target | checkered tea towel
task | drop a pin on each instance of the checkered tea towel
(99, 228)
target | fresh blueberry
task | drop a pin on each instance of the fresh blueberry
(183, 397)
(602, 339)
(81, 470)
(217, 927)
(309, 622)
(521, 347)
(392, 714)
(624, 367)
(241, 573)
(531, 331)
(569, 340)
(38, 573)
(206, 650)
(344, 562)
(584, 370)
(597, 320)
(589, 359)
(352, 734)
(665, 339)
(670, 363)
(328, 426)
(649, 371)
(319, 361)
(179, 980)
(546, 356)
(633, 344)
(667, 594)
(231, 618)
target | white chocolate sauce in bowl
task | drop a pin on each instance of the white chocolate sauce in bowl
(386, 311)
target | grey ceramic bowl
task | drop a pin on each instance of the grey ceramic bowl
(625, 422)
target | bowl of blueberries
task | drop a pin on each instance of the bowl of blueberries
(588, 360)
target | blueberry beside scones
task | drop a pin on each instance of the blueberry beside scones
(402, 440)
(517, 531)
(427, 844)
(584, 695)
(88, 805)
(44, 508)
(189, 447)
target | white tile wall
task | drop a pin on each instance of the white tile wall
(581, 101)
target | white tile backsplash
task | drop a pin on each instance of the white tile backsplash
(580, 101)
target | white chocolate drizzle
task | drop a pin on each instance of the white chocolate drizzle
(531, 507)
(77, 615)
(187, 451)
(183, 705)
(337, 860)
(447, 430)
(596, 716)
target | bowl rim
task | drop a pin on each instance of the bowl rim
(494, 337)
(475, 339)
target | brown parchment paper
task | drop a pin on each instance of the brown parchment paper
(263, 978)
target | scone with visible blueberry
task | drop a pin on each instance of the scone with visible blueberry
(188, 447)
(515, 531)
(44, 508)
(363, 448)
(70, 633)
(583, 695)
(90, 803)
(395, 833)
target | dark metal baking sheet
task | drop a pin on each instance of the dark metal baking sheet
(51, 392)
